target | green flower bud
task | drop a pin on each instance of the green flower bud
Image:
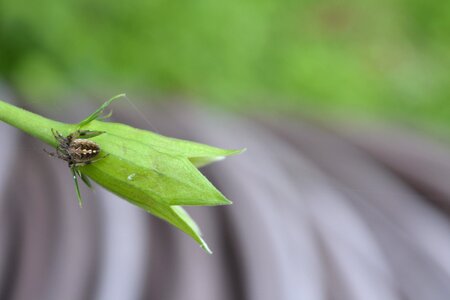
(157, 173)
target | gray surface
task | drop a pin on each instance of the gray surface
(317, 214)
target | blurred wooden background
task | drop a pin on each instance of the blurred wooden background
(321, 211)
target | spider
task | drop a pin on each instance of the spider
(77, 151)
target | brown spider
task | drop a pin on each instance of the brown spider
(78, 151)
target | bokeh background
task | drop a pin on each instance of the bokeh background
(352, 58)
(344, 107)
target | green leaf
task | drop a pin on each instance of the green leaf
(179, 218)
(157, 173)
(85, 179)
(198, 154)
(156, 176)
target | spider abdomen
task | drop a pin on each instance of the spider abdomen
(82, 150)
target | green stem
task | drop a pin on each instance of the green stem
(32, 123)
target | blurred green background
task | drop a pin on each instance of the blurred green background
(352, 59)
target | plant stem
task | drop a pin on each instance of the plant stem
(33, 124)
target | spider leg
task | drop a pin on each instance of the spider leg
(50, 153)
(58, 136)
(87, 134)
(62, 154)
(77, 188)
(90, 162)
(100, 158)
(55, 133)
(84, 178)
